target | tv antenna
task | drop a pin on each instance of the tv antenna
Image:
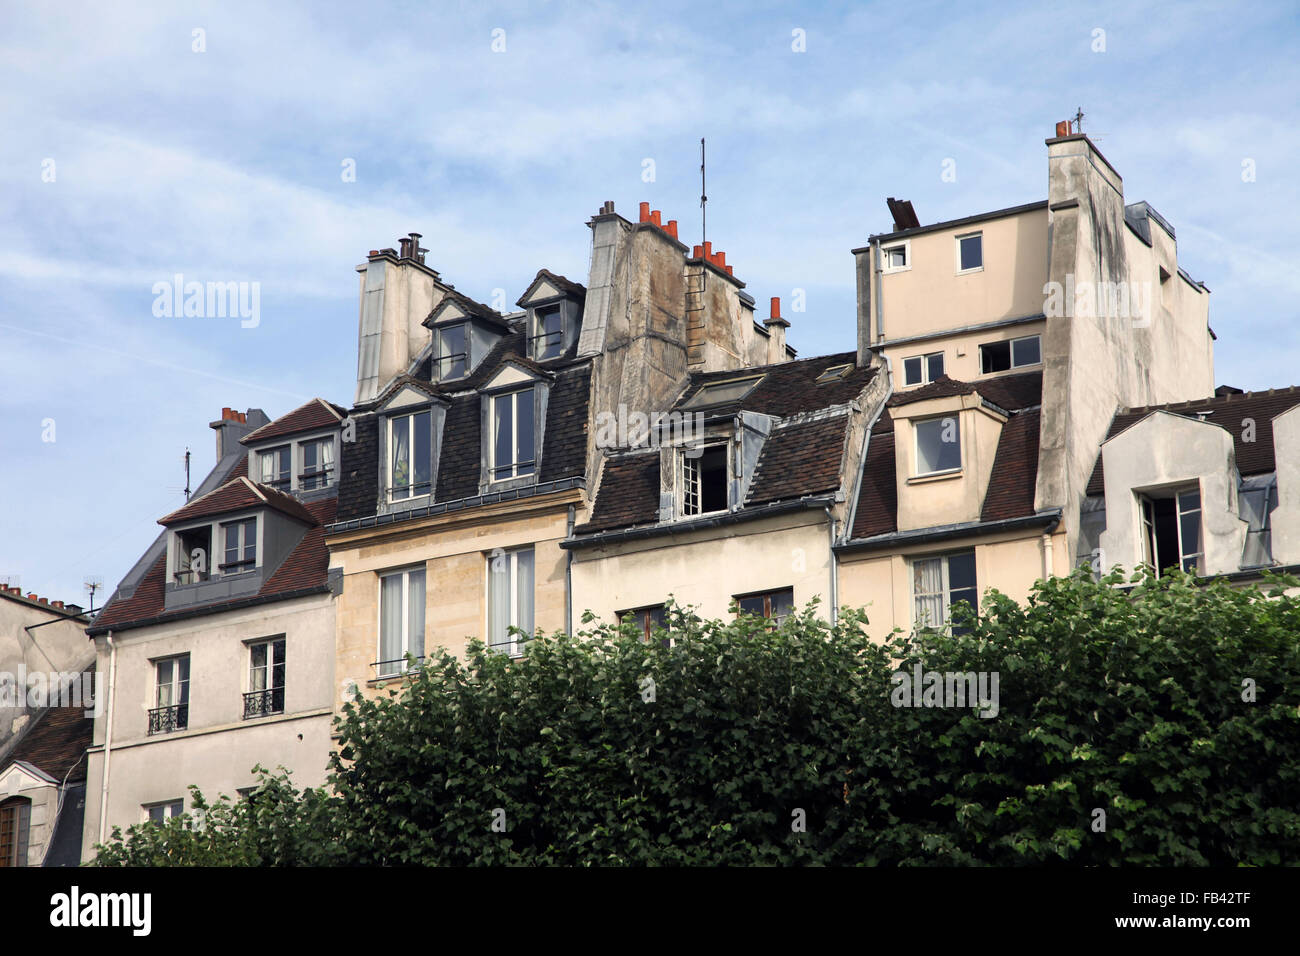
(93, 584)
(704, 221)
(187, 473)
(1078, 120)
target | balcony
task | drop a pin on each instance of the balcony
(264, 703)
(166, 720)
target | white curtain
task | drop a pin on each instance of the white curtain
(498, 599)
(390, 613)
(415, 613)
(927, 590)
(524, 591)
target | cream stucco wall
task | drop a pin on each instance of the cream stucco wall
(1286, 517)
(881, 582)
(219, 748)
(961, 352)
(454, 550)
(706, 569)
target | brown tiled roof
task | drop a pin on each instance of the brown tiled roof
(560, 282)
(1008, 392)
(798, 459)
(471, 307)
(236, 495)
(629, 493)
(56, 743)
(878, 497)
(313, 416)
(789, 388)
(306, 567)
(1015, 469)
(1230, 411)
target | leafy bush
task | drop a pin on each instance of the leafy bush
(763, 745)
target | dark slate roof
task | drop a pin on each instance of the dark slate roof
(236, 495)
(56, 742)
(788, 388)
(1228, 410)
(477, 310)
(799, 459)
(629, 493)
(313, 416)
(305, 569)
(564, 284)
(1015, 466)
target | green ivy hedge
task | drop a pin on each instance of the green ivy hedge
(1151, 725)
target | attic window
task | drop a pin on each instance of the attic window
(193, 547)
(704, 481)
(1015, 353)
(548, 337)
(513, 450)
(453, 353)
(970, 253)
(719, 393)
(241, 546)
(833, 373)
(276, 467)
(938, 446)
(1171, 530)
(410, 472)
(897, 258)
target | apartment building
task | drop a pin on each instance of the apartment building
(478, 432)
(216, 652)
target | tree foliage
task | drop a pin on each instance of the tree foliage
(1125, 734)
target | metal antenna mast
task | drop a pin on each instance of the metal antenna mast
(704, 219)
(1078, 120)
(187, 474)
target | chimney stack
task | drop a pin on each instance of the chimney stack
(233, 425)
(397, 292)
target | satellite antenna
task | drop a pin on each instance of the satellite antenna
(93, 584)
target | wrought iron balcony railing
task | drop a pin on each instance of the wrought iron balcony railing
(165, 720)
(264, 703)
(396, 667)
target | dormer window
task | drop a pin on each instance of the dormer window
(705, 481)
(1171, 530)
(193, 551)
(938, 446)
(317, 464)
(240, 546)
(410, 472)
(276, 467)
(513, 447)
(548, 339)
(453, 352)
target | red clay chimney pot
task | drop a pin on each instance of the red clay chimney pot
(645, 212)
(672, 228)
(697, 252)
(1063, 128)
(776, 307)
(708, 251)
(730, 271)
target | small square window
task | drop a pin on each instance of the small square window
(776, 606)
(970, 252)
(1014, 353)
(1026, 351)
(922, 369)
(158, 813)
(895, 258)
(833, 374)
(938, 445)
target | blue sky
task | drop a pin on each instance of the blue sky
(225, 165)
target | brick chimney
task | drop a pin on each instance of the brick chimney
(232, 426)
(398, 291)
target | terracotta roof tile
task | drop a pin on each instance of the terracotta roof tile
(878, 496)
(56, 742)
(313, 416)
(799, 459)
(629, 493)
(1015, 469)
(236, 495)
(789, 388)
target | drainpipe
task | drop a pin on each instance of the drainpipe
(1045, 546)
(568, 578)
(879, 296)
(835, 568)
(108, 736)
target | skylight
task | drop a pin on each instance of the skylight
(719, 393)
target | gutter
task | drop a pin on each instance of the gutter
(108, 737)
(835, 568)
(880, 542)
(181, 615)
(700, 524)
(879, 296)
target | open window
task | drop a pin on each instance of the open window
(193, 555)
(1009, 354)
(705, 480)
(1171, 530)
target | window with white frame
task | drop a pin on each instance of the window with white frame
(317, 463)
(265, 678)
(704, 480)
(159, 813)
(240, 541)
(171, 697)
(1171, 530)
(940, 582)
(938, 445)
(513, 448)
(970, 252)
(548, 334)
(895, 258)
(922, 369)
(276, 467)
(510, 599)
(410, 456)
(401, 620)
(1011, 353)
(453, 352)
